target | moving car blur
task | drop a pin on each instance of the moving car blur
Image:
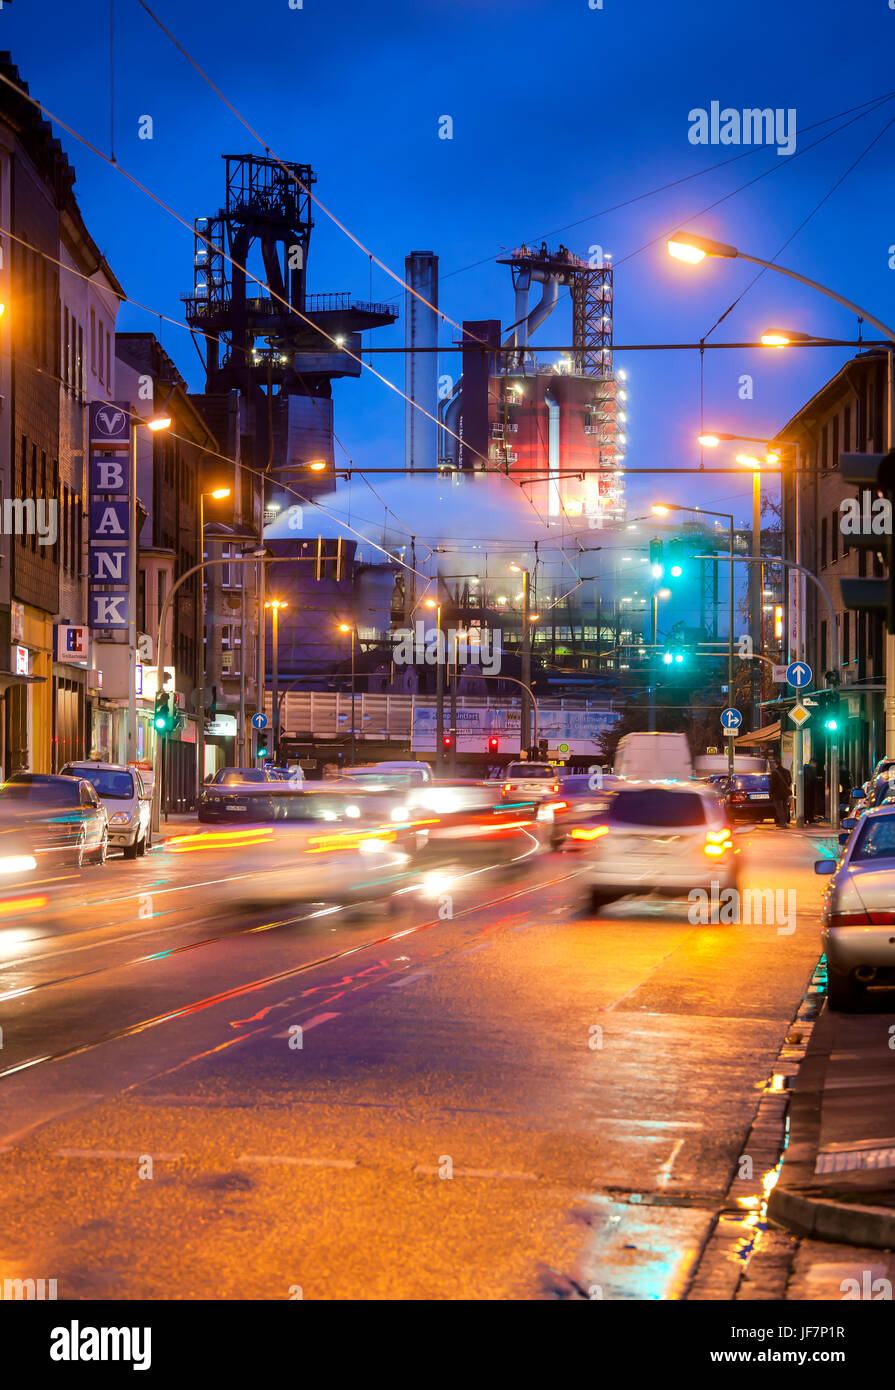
(858, 923)
(63, 817)
(664, 838)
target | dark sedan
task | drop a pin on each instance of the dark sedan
(748, 797)
(224, 797)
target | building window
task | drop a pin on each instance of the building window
(846, 428)
(823, 645)
(93, 341)
(823, 450)
(846, 616)
(100, 352)
(834, 538)
(823, 543)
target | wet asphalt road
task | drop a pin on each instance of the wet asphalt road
(515, 1100)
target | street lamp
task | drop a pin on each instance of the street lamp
(662, 509)
(275, 604)
(217, 494)
(349, 627)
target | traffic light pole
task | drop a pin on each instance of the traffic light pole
(160, 662)
(834, 629)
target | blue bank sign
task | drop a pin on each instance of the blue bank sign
(109, 529)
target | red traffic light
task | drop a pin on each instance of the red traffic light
(493, 744)
(447, 741)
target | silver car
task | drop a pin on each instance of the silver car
(660, 837)
(858, 922)
(121, 790)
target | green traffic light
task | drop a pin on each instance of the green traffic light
(832, 724)
(160, 722)
(676, 571)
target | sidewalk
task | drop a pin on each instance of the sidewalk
(837, 1182)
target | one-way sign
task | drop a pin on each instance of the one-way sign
(798, 673)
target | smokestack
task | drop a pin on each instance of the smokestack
(422, 446)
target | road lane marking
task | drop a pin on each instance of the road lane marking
(117, 1153)
(299, 1162)
(666, 1167)
(429, 1169)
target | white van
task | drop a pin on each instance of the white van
(653, 757)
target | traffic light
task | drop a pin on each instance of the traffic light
(865, 523)
(164, 718)
(493, 744)
(676, 557)
(674, 655)
(447, 742)
(830, 717)
(657, 566)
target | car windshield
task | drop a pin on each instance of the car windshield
(657, 807)
(55, 793)
(875, 840)
(234, 776)
(115, 786)
(750, 782)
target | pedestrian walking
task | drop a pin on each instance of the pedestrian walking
(810, 785)
(779, 785)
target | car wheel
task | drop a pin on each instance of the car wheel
(131, 851)
(100, 856)
(599, 900)
(142, 843)
(843, 992)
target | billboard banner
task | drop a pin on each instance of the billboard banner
(578, 729)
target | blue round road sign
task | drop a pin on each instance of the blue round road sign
(259, 721)
(798, 674)
(731, 719)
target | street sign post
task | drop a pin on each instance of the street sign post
(259, 721)
(731, 719)
(798, 714)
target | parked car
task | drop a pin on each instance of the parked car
(858, 921)
(748, 796)
(127, 802)
(64, 815)
(665, 838)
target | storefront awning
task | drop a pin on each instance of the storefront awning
(769, 734)
(8, 678)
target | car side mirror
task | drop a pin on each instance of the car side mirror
(857, 794)
(843, 838)
(825, 866)
(849, 823)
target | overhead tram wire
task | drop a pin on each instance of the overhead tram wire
(872, 104)
(805, 220)
(262, 284)
(269, 153)
(90, 397)
(680, 221)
